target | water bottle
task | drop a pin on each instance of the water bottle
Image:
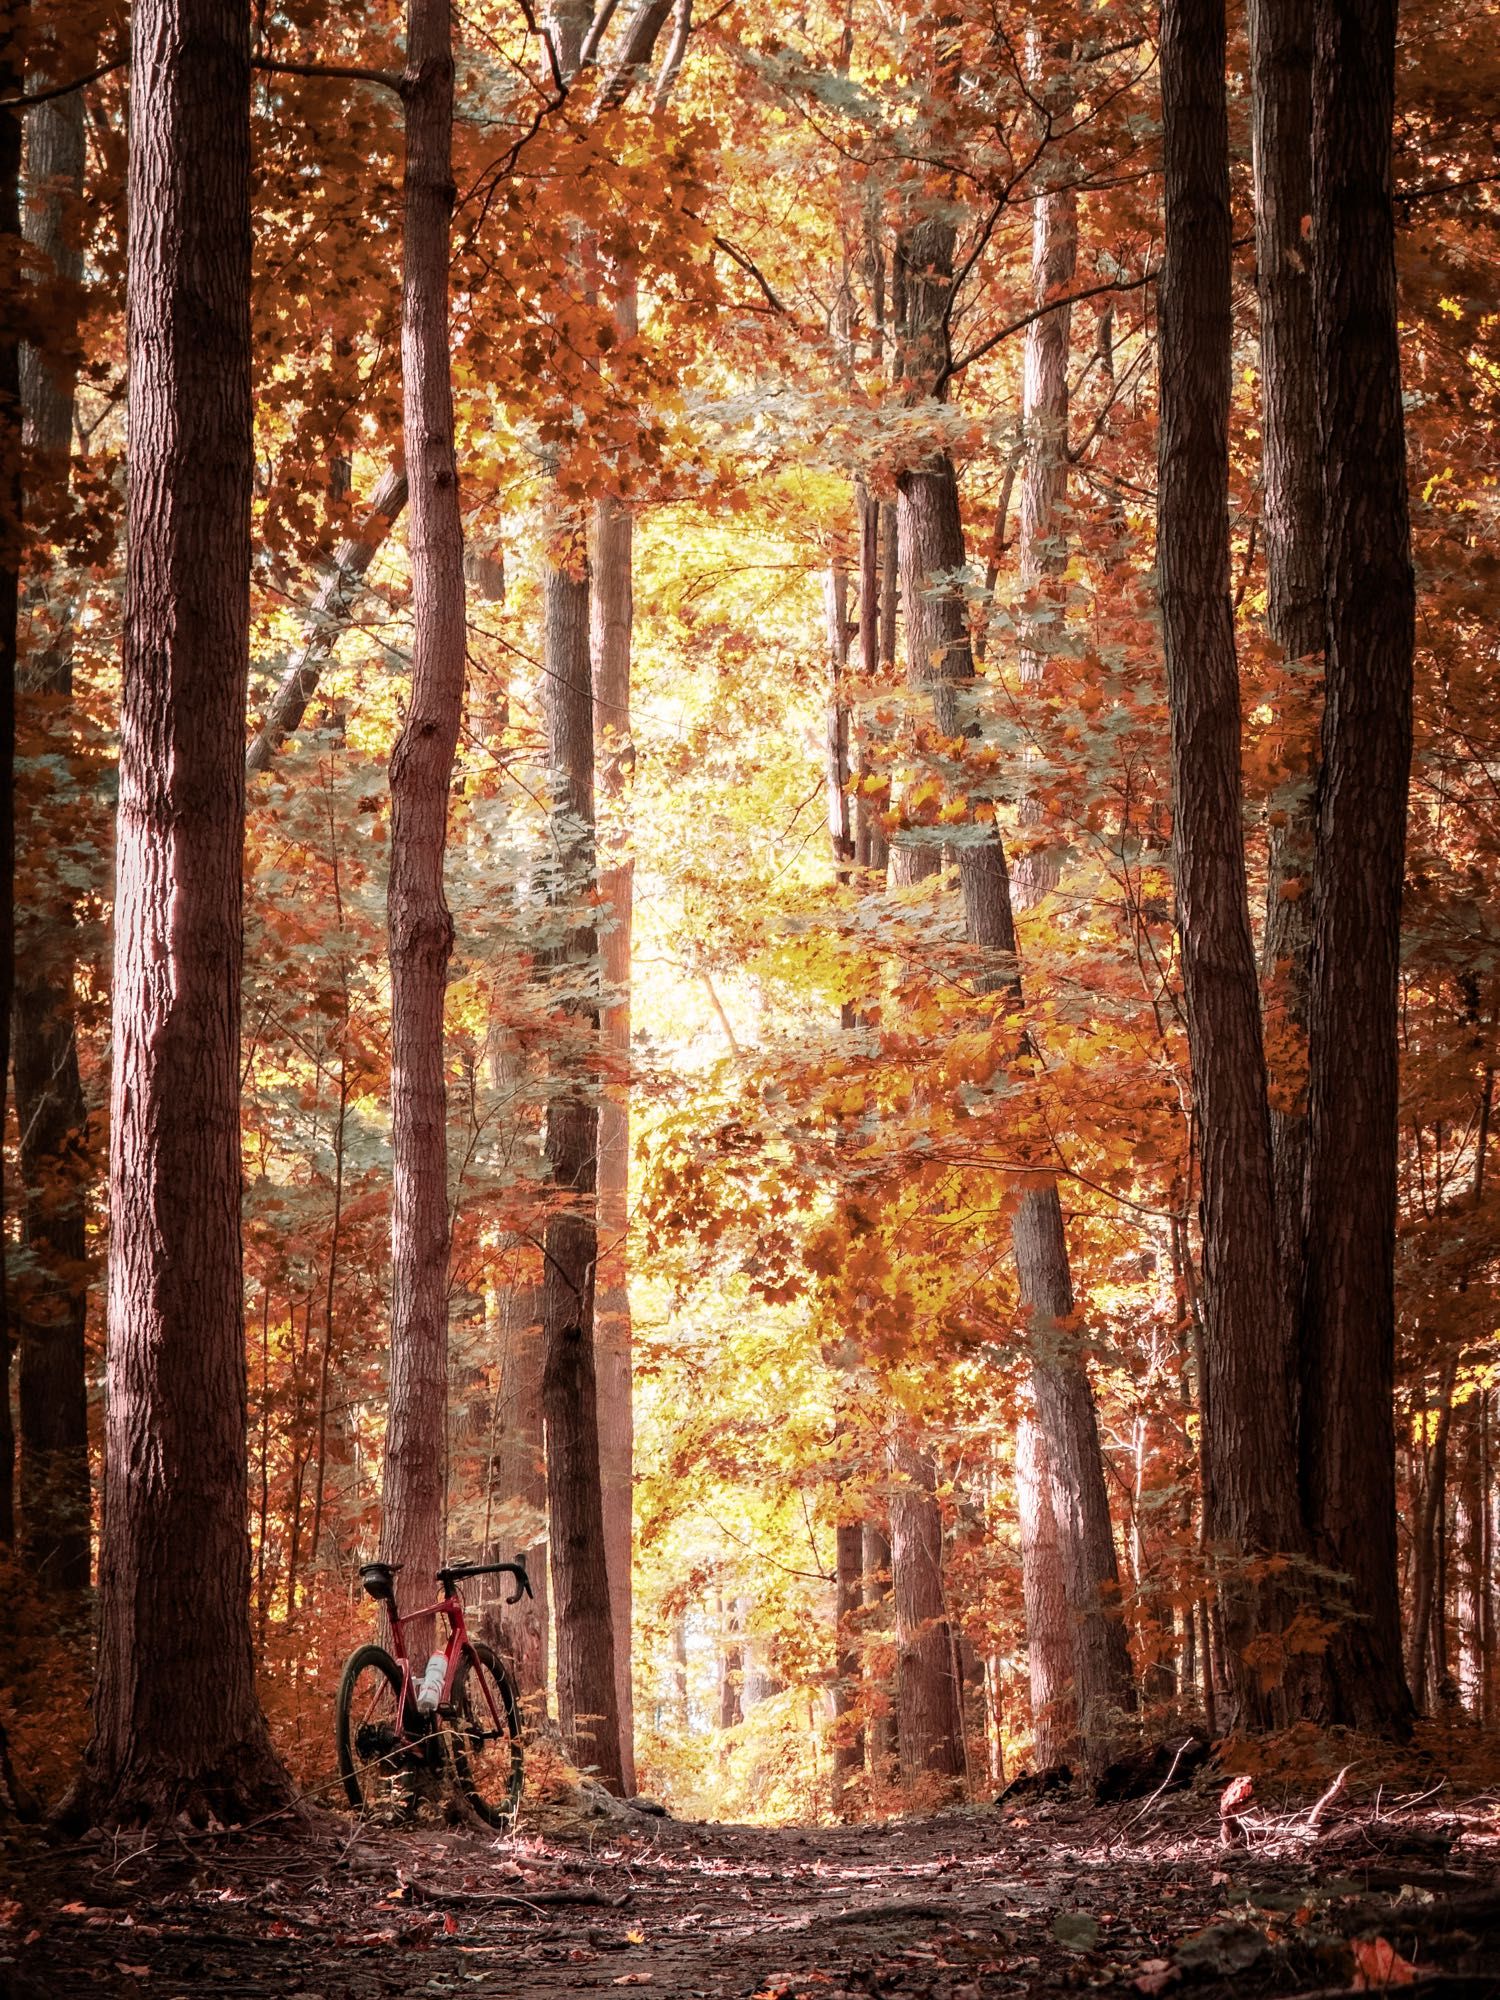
(430, 1687)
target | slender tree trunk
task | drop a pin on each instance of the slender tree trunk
(419, 925)
(1044, 479)
(1426, 1602)
(1471, 1504)
(612, 611)
(57, 1163)
(1348, 1318)
(1250, 1492)
(881, 1734)
(1281, 33)
(931, 1727)
(176, 1725)
(328, 618)
(849, 1734)
(587, 1687)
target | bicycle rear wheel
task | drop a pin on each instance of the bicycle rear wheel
(484, 1738)
(375, 1759)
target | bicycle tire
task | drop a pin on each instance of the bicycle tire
(364, 1769)
(487, 1772)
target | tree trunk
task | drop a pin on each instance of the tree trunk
(1281, 34)
(176, 1724)
(938, 653)
(1044, 478)
(1426, 1586)
(612, 612)
(882, 1732)
(1049, 1635)
(849, 1734)
(328, 618)
(518, 1488)
(1470, 1510)
(419, 925)
(1348, 1318)
(1250, 1492)
(13, 22)
(931, 1727)
(57, 1163)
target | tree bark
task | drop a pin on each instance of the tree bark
(612, 610)
(1044, 479)
(1469, 1517)
(13, 23)
(57, 1164)
(419, 926)
(518, 1487)
(881, 1736)
(1281, 41)
(1049, 1635)
(1348, 1316)
(176, 1723)
(1250, 1492)
(328, 618)
(931, 1715)
(849, 1734)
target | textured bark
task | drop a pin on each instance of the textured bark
(1044, 478)
(176, 1724)
(328, 618)
(1470, 1517)
(1348, 1319)
(869, 836)
(849, 1734)
(1249, 1481)
(13, 17)
(1426, 1601)
(1049, 1635)
(57, 1164)
(587, 1706)
(882, 1732)
(587, 1688)
(419, 926)
(1281, 33)
(612, 611)
(518, 1486)
(931, 1717)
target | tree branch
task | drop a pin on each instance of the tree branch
(29, 97)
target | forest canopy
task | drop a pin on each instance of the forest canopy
(752, 802)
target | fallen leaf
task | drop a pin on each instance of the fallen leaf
(1378, 1964)
(9, 1911)
(635, 1937)
(632, 1979)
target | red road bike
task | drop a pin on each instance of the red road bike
(473, 1736)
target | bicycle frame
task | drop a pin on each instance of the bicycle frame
(459, 1644)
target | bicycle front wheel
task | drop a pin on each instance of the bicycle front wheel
(484, 1738)
(375, 1756)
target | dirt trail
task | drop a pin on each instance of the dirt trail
(969, 1905)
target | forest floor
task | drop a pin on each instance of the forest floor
(1395, 1884)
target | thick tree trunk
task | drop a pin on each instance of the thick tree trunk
(1348, 1319)
(1250, 1491)
(931, 1714)
(1049, 1634)
(419, 926)
(518, 1487)
(1281, 33)
(13, 22)
(328, 618)
(57, 1165)
(176, 1724)
(612, 611)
